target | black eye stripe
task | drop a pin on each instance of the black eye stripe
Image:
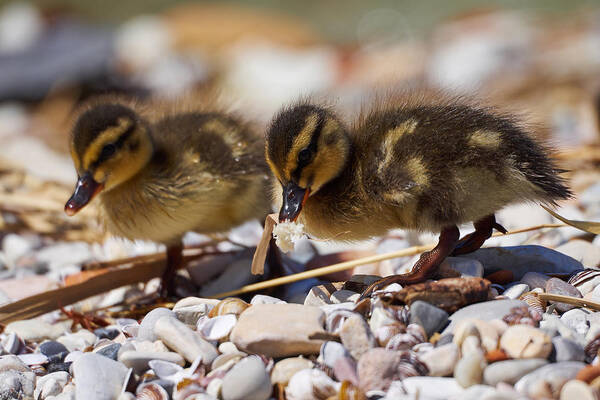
(106, 154)
(311, 148)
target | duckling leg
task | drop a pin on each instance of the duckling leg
(483, 231)
(174, 261)
(426, 265)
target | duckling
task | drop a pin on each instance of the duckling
(426, 165)
(157, 178)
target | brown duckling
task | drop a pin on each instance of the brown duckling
(414, 164)
(159, 177)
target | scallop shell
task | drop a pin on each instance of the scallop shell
(216, 328)
(151, 391)
(230, 305)
(384, 333)
(335, 319)
(164, 369)
(585, 281)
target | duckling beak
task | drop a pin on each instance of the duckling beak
(294, 198)
(84, 192)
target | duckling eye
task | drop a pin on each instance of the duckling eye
(107, 151)
(304, 155)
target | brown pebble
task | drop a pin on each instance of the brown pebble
(589, 373)
(501, 277)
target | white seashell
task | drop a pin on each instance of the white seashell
(311, 384)
(336, 319)
(218, 327)
(33, 358)
(73, 356)
(224, 358)
(381, 317)
(12, 343)
(130, 330)
(263, 299)
(214, 387)
(164, 369)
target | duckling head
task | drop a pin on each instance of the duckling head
(307, 146)
(110, 143)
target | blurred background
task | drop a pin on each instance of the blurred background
(540, 58)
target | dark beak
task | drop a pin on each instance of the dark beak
(84, 192)
(294, 198)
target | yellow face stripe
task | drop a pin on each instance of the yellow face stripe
(273, 168)
(75, 158)
(109, 135)
(300, 141)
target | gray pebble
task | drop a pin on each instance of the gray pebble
(247, 380)
(535, 280)
(567, 350)
(560, 287)
(430, 317)
(466, 266)
(552, 376)
(16, 385)
(111, 351)
(484, 311)
(510, 371)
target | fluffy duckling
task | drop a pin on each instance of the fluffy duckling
(157, 179)
(420, 165)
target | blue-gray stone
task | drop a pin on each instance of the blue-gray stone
(430, 317)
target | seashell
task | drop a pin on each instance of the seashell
(591, 349)
(384, 333)
(410, 365)
(214, 387)
(189, 391)
(229, 305)
(424, 347)
(216, 328)
(228, 347)
(534, 302)
(164, 369)
(310, 384)
(225, 358)
(130, 330)
(380, 317)
(585, 281)
(151, 391)
(336, 319)
(400, 313)
(33, 359)
(350, 392)
(525, 315)
(414, 335)
(13, 344)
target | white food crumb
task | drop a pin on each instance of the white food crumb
(286, 235)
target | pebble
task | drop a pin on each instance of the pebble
(522, 259)
(583, 251)
(575, 389)
(577, 320)
(430, 317)
(432, 388)
(51, 384)
(441, 360)
(15, 246)
(378, 368)
(515, 291)
(535, 280)
(469, 370)
(97, 377)
(247, 380)
(190, 309)
(34, 330)
(523, 341)
(283, 370)
(560, 287)
(356, 336)
(138, 360)
(311, 384)
(484, 311)
(279, 330)
(510, 371)
(79, 340)
(483, 330)
(550, 377)
(55, 351)
(16, 385)
(179, 337)
(465, 266)
(567, 350)
(264, 299)
(146, 330)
